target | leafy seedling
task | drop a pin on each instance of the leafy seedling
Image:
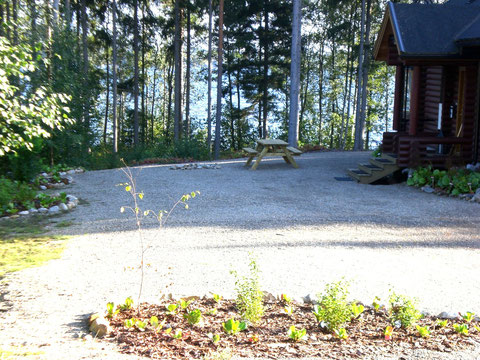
(288, 310)
(423, 331)
(388, 332)
(156, 324)
(212, 312)
(193, 317)
(111, 311)
(217, 298)
(462, 329)
(286, 299)
(184, 304)
(128, 304)
(129, 323)
(233, 327)
(357, 310)
(341, 334)
(296, 335)
(214, 337)
(376, 303)
(468, 317)
(442, 323)
(178, 334)
(141, 325)
(172, 309)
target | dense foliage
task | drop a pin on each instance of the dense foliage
(453, 181)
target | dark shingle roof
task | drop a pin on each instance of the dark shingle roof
(471, 33)
(432, 29)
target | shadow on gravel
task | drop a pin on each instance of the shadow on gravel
(78, 326)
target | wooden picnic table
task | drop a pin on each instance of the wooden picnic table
(271, 147)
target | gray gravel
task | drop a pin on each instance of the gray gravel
(305, 228)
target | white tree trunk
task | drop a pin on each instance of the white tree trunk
(295, 73)
(358, 144)
(219, 81)
(114, 75)
(209, 96)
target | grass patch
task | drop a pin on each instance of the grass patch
(18, 353)
(23, 245)
(64, 224)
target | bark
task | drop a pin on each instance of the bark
(239, 112)
(177, 126)
(153, 100)
(7, 8)
(265, 73)
(293, 123)
(114, 75)
(86, 92)
(2, 20)
(209, 95)
(107, 100)
(230, 97)
(55, 13)
(135, 74)
(320, 94)
(358, 144)
(305, 85)
(170, 93)
(144, 119)
(187, 95)
(366, 67)
(68, 14)
(15, 21)
(218, 117)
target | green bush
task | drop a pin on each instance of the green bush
(403, 309)
(333, 307)
(15, 195)
(249, 299)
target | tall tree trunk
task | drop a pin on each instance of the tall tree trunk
(265, 70)
(135, 74)
(15, 21)
(358, 144)
(7, 8)
(55, 13)
(144, 79)
(114, 75)
(366, 66)
(305, 85)
(107, 100)
(239, 112)
(209, 95)
(170, 93)
(68, 14)
(320, 93)
(293, 124)
(86, 90)
(230, 96)
(218, 117)
(152, 118)
(177, 125)
(187, 95)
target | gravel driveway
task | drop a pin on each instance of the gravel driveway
(304, 227)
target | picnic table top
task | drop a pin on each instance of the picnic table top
(267, 142)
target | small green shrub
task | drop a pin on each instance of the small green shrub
(296, 335)
(193, 317)
(249, 298)
(233, 327)
(403, 310)
(333, 308)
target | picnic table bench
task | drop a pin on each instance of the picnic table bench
(271, 147)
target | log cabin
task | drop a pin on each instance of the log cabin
(435, 49)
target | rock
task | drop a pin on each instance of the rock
(33, 211)
(70, 205)
(309, 299)
(67, 178)
(62, 173)
(428, 189)
(63, 207)
(44, 174)
(79, 170)
(54, 210)
(73, 199)
(447, 315)
(268, 296)
(470, 167)
(172, 168)
(23, 213)
(88, 337)
(298, 300)
(58, 185)
(71, 172)
(14, 216)
(98, 325)
(43, 187)
(42, 210)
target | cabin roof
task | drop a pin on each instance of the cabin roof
(429, 30)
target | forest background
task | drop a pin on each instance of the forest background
(130, 79)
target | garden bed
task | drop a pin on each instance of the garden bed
(270, 340)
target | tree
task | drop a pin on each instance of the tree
(295, 73)
(209, 95)
(114, 75)
(177, 125)
(218, 118)
(25, 115)
(135, 76)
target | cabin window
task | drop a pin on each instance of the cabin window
(407, 92)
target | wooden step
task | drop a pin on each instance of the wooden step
(369, 168)
(388, 156)
(357, 174)
(383, 162)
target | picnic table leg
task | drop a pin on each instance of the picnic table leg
(249, 160)
(259, 158)
(286, 160)
(290, 158)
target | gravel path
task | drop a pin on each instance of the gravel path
(305, 228)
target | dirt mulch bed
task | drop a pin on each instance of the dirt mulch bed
(365, 334)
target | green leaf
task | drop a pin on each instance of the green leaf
(128, 188)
